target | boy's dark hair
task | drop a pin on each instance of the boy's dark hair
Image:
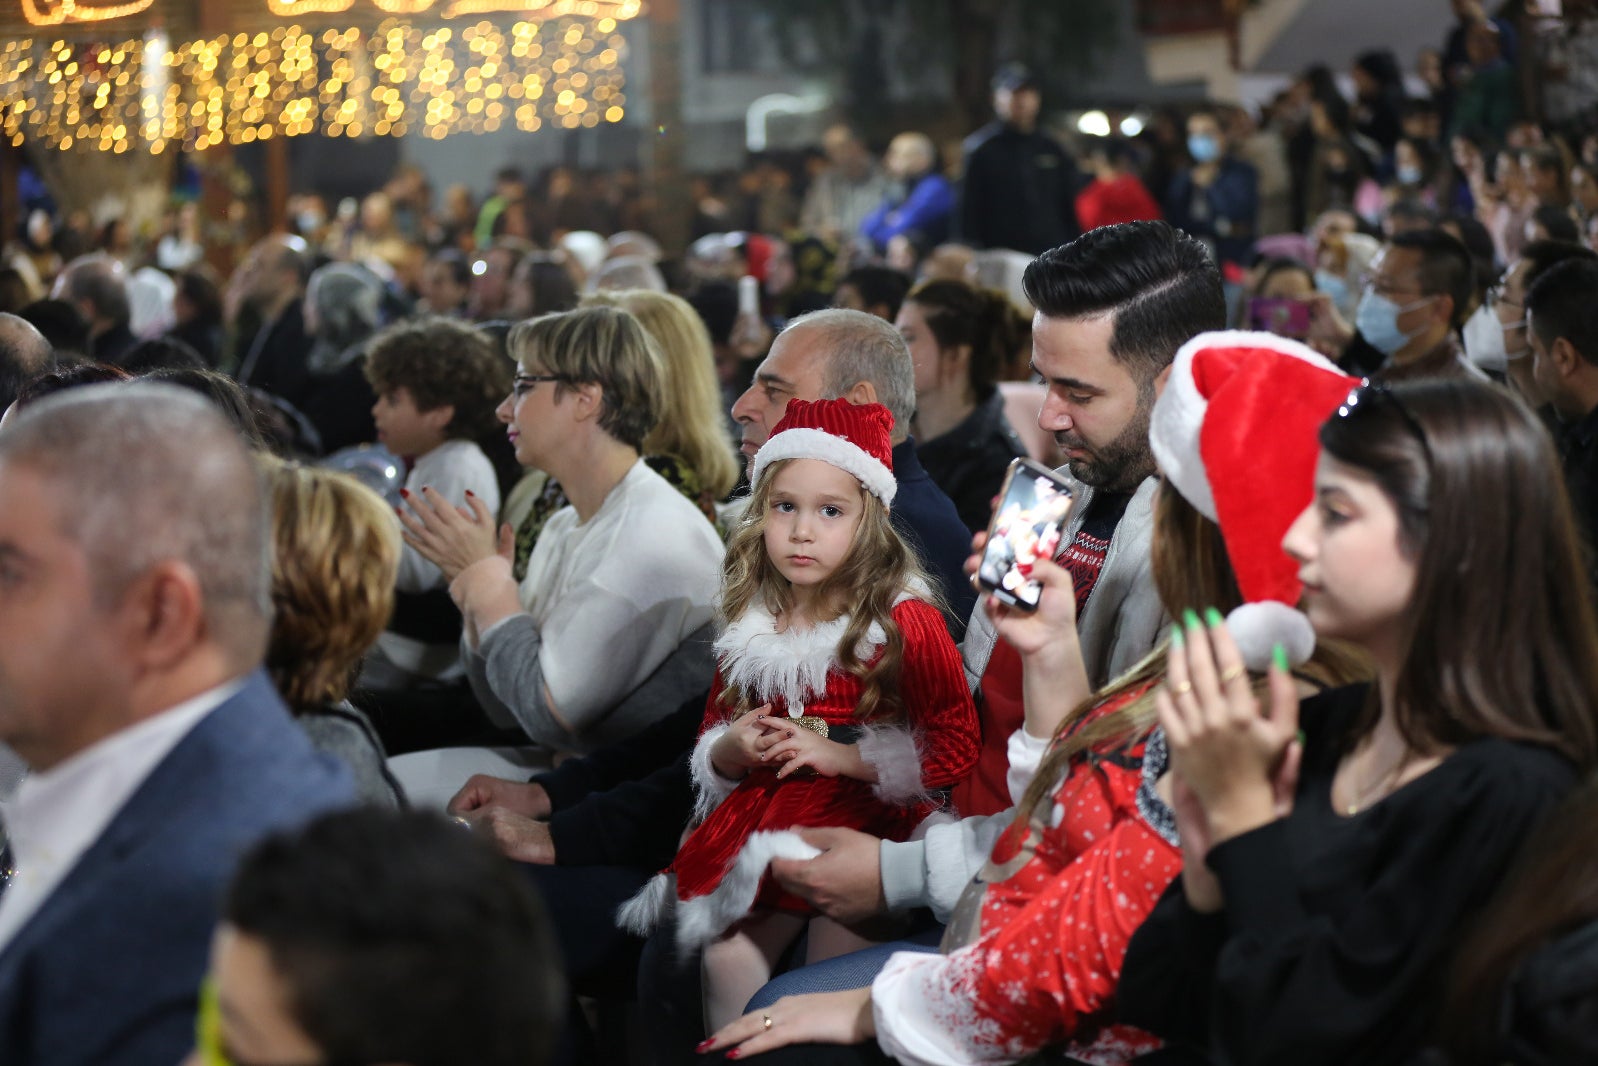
(1560, 304)
(1445, 268)
(1161, 286)
(440, 361)
(879, 285)
(401, 938)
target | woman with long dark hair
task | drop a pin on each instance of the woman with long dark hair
(1325, 880)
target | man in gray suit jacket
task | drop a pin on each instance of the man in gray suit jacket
(134, 616)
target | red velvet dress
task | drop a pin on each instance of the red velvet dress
(931, 749)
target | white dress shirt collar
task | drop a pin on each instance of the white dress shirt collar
(58, 814)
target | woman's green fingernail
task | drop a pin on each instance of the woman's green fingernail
(1213, 617)
(1190, 618)
(1177, 640)
(1279, 657)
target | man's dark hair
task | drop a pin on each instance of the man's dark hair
(879, 285)
(1445, 268)
(160, 353)
(460, 270)
(1160, 284)
(1412, 211)
(401, 938)
(97, 281)
(1556, 223)
(75, 376)
(1561, 304)
(62, 324)
(24, 355)
(1542, 256)
(228, 395)
(198, 285)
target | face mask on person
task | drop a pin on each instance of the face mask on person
(1377, 321)
(1333, 286)
(1203, 147)
(1484, 340)
(1409, 175)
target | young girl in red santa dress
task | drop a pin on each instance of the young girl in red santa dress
(839, 700)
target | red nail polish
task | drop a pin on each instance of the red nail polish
(734, 1053)
(469, 492)
(405, 493)
(704, 1045)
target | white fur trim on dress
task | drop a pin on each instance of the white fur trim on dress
(710, 788)
(835, 451)
(891, 751)
(703, 918)
(792, 664)
(641, 914)
(1179, 412)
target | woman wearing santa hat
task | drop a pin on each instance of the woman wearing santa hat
(1033, 952)
(1326, 879)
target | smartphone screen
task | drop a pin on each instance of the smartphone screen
(1283, 316)
(1026, 527)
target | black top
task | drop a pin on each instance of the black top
(968, 462)
(1019, 191)
(1334, 941)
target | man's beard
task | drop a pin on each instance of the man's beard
(1122, 463)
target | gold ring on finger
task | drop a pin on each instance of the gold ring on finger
(1232, 673)
(765, 1021)
(1183, 689)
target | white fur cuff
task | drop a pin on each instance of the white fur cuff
(710, 788)
(891, 751)
(643, 912)
(703, 918)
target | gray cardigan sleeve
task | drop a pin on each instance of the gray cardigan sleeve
(508, 680)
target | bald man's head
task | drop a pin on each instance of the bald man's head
(24, 355)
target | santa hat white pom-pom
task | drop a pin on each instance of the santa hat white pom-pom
(1257, 627)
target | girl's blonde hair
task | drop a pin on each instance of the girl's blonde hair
(878, 566)
(335, 555)
(692, 426)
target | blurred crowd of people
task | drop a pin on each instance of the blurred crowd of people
(667, 578)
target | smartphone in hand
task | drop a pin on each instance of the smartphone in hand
(1026, 527)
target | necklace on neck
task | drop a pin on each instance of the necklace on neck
(1377, 789)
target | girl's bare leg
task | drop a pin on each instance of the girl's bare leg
(828, 940)
(738, 964)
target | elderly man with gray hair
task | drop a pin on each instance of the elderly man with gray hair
(133, 553)
(96, 285)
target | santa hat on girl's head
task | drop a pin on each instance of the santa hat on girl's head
(855, 438)
(1235, 431)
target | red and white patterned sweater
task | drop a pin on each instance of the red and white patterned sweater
(1043, 928)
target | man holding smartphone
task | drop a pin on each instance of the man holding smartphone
(1113, 307)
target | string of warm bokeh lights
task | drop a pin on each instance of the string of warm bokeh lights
(397, 79)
